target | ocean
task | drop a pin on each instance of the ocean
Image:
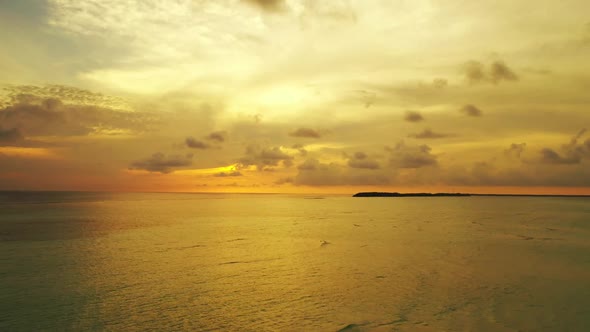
(245, 262)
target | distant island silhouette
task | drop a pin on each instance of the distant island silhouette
(395, 194)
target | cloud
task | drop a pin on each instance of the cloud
(549, 156)
(228, 174)
(571, 153)
(574, 141)
(159, 163)
(407, 156)
(429, 134)
(268, 5)
(413, 116)
(476, 72)
(362, 160)
(284, 180)
(300, 148)
(10, 136)
(471, 110)
(196, 144)
(499, 71)
(515, 150)
(49, 116)
(366, 164)
(305, 132)
(67, 95)
(239, 185)
(440, 83)
(314, 173)
(219, 136)
(264, 157)
(524, 174)
(309, 165)
(360, 155)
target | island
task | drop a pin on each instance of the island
(395, 194)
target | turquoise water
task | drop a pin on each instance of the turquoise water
(198, 262)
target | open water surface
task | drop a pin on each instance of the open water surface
(200, 262)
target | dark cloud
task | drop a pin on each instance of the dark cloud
(574, 141)
(498, 71)
(474, 72)
(360, 155)
(471, 110)
(264, 158)
(228, 174)
(429, 134)
(10, 136)
(362, 160)
(406, 156)
(549, 156)
(571, 153)
(268, 5)
(219, 136)
(196, 144)
(300, 148)
(160, 163)
(305, 132)
(515, 150)
(413, 116)
(48, 116)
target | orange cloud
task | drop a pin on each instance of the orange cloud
(29, 153)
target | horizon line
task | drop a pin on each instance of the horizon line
(427, 194)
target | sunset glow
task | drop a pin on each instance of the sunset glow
(295, 96)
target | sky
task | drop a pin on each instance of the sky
(334, 96)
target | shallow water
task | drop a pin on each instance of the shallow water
(165, 262)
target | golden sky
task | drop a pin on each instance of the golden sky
(295, 95)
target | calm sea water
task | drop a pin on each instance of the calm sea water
(196, 262)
